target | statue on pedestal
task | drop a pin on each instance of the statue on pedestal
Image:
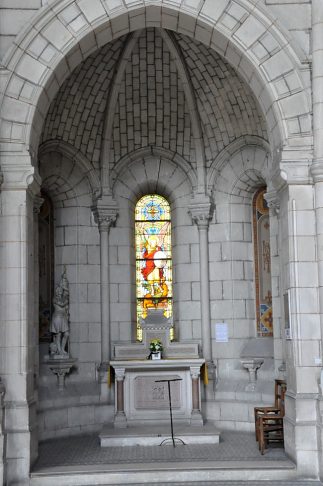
(59, 359)
(59, 325)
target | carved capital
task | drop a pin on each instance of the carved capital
(195, 372)
(317, 170)
(296, 172)
(38, 201)
(19, 174)
(2, 391)
(201, 210)
(105, 219)
(273, 202)
(120, 374)
(105, 212)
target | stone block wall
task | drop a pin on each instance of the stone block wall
(15, 13)
(76, 248)
(172, 184)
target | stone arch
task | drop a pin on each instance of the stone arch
(146, 172)
(245, 163)
(228, 153)
(238, 172)
(151, 171)
(62, 35)
(156, 153)
(73, 156)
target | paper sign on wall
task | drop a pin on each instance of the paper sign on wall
(221, 332)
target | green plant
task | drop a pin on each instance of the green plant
(155, 346)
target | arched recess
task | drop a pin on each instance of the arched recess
(239, 145)
(148, 173)
(71, 183)
(237, 174)
(67, 151)
(45, 54)
(154, 152)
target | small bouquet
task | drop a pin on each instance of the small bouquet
(155, 346)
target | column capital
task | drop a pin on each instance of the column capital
(316, 170)
(2, 389)
(105, 212)
(273, 201)
(18, 173)
(294, 165)
(296, 172)
(195, 372)
(120, 373)
(38, 201)
(201, 209)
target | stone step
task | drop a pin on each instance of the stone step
(153, 473)
(156, 435)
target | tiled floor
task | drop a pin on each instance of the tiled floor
(86, 450)
(60, 454)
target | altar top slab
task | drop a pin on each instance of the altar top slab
(158, 363)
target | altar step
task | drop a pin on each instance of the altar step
(157, 435)
(152, 473)
(81, 461)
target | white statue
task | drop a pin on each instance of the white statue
(59, 325)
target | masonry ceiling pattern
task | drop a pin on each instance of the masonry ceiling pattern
(151, 108)
(226, 105)
(77, 113)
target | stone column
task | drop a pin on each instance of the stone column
(299, 276)
(120, 419)
(105, 214)
(317, 168)
(273, 202)
(201, 212)
(37, 203)
(20, 184)
(2, 435)
(196, 416)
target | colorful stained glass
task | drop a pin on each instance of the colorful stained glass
(153, 257)
(261, 230)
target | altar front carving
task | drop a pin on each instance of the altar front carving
(139, 400)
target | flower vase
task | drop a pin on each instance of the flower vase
(156, 355)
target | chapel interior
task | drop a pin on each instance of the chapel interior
(160, 215)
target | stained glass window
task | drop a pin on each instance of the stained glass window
(261, 231)
(153, 257)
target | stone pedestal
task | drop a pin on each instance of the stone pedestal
(252, 365)
(61, 367)
(2, 436)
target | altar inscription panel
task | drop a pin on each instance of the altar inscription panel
(150, 395)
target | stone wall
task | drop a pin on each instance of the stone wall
(72, 85)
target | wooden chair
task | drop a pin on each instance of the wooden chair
(269, 420)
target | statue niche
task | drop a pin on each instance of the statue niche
(59, 360)
(59, 326)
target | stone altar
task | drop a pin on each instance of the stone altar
(139, 400)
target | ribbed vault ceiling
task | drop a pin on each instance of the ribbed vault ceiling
(147, 92)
